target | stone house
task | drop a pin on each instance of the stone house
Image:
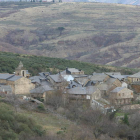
(73, 84)
(134, 78)
(41, 92)
(104, 88)
(99, 77)
(112, 84)
(121, 96)
(19, 84)
(5, 89)
(108, 86)
(39, 81)
(57, 81)
(74, 71)
(136, 86)
(122, 78)
(84, 93)
(82, 80)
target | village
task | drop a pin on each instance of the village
(103, 91)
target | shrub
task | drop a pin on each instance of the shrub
(41, 107)
(15, 126)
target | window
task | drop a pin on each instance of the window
(23, 73)
(123, 94)
(119, 94)
(73, 86)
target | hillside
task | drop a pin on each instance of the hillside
(36, 64)
(92, 32)
(16, 126)
(133, 2)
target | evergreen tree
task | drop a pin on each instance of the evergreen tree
(125, 119)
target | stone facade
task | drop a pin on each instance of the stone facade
(96, 95)
(124, 96)
(73, 71)
(133, 79)
(60, 84)
(19, 86)
(136, 87)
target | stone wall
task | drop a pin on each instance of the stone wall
(136, 88)
(3, 81)
(23, 86)
(96, 95)
(131, 79)
(125, 93)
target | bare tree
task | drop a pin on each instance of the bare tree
(56, 99)
(134, 124)
(95, 120)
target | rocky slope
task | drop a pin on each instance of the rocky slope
(91, 32)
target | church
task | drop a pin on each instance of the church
(20, 70)
(19, 81)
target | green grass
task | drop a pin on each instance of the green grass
(118, 114)
(50, 123)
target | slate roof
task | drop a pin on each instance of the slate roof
(82, 90)
(110, 81)
(36, 79)
(44, 74)
(98, 77)
(90, 83)
(94, 73)
(136, 75)
(5, 76)
(120, 77)
(14, 78)
(40, 80)
(91, 89)
(73, 83)
(117, 89)
(79, 76)
(113, 73)
(6, 88)
(82, 80)
(57, 78)
(77, 90)
(9, 77)
(103, 86)
(41, 89)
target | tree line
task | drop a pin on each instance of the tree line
(35, 64)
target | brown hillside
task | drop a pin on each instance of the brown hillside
(94, 32)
